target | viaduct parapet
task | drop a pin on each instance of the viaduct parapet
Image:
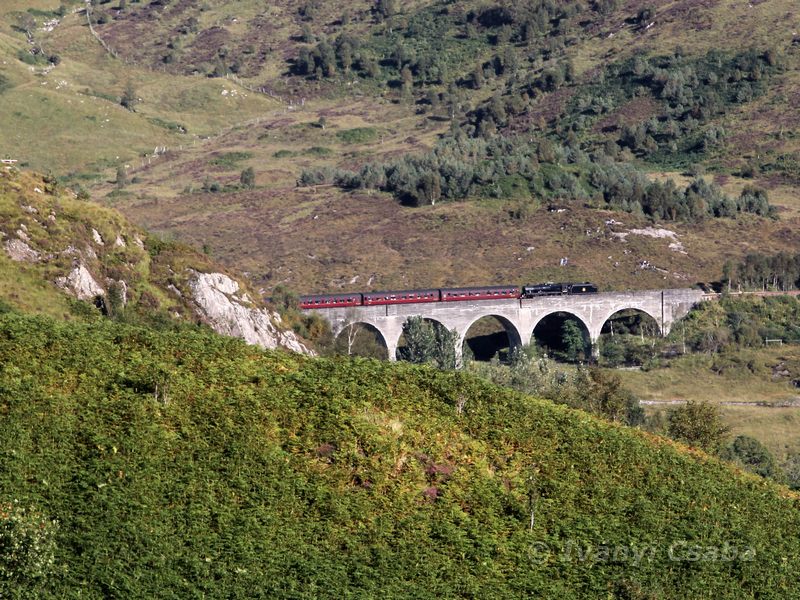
(519, 316)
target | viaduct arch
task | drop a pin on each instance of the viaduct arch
(519, 316)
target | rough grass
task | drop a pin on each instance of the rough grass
(59, 227)
(692, 378)
(75, 106)
(679, 381)
(317, 238)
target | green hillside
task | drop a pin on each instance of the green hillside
(54, 230)
(184, 464)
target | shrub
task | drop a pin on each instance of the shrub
(27, 548)
(698, 424)
(358, 135)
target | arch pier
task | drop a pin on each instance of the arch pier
(519, 316)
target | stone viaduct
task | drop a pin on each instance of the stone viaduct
(519, 317)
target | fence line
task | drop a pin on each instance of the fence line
(106, 47)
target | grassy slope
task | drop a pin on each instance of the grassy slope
(69, 119)
(60, 228)
(190, 464)
(316, 239)
(296, 236)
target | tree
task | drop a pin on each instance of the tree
(306, 34)
(753, 456)
(327, 58)
(791, 471)
(605, 395)
(408, 81)
(698, 424)
(284, 298)
(115, 299)
(122, 177)
(430, 187)
(428, 342)
(446, 355)
(248, 178)
(574, 341)
(645, 15)
(358, 339)
(129, 99)
(420, 340)
(346, 56)
(386, 8)
(477, 78)
(305, 62)
(352, 331)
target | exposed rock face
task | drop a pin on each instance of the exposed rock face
(220, 303)
(81, 284)
(20, 251)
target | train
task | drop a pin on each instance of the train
(492, 292)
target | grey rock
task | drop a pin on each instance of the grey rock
(221, 304)
(19, 251)
(80, 284)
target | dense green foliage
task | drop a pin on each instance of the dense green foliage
(429, 342)
(27, 549)
(594, 390)
(778, 272)
(136, 269)
(186, 464)
(441, 43)
(461, 167)
(698, 424)
(686, 93)
(753, 456)
(443, 54)
(739, 322)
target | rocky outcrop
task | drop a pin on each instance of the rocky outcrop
(81, 284)
(98, 257)
(228, 312)
(20, 251)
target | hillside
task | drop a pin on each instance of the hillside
(68, 257)
(579, 99)
(190, 464)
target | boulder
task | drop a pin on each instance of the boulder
(221, 304)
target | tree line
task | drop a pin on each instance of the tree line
(777, 272)
(461, 167)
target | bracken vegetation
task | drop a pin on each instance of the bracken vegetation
(188, 464)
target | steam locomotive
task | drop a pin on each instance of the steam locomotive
(494, 292)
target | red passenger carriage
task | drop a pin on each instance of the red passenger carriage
(492, 292)
(401, 297)
(330, 300)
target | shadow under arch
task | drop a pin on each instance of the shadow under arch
(360, 338)
(628, 337)
(636, 321)
(491, 335)
(563, 335)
